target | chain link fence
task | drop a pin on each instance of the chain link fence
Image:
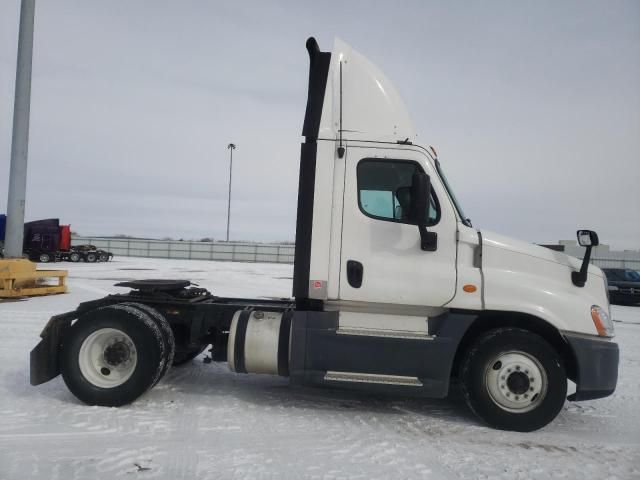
(617, 263)
(231, 251)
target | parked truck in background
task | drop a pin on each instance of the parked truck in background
(3, 228)
(47, 241)
(394, 291)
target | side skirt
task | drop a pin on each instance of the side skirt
(322, 355)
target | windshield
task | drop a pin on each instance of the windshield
(464, 218)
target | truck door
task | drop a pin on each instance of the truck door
(381, 258)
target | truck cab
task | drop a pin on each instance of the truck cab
(403, 277)
(394, 290)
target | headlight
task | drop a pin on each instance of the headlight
(602, 321)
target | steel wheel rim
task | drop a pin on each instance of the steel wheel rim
(516, 381)
(107, 358)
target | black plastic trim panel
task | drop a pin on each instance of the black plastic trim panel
(304, 221)
(238, 345)
(318, 72)
(283, 344)
(317, 348)
(597, 361)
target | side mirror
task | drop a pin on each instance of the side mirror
(419, 198)
(588, 239)
(419, 210)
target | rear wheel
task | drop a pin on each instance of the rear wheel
(90, 257)
(44, 258)
(165, 329)
(112, 355)
(514, 380)
(74, 257)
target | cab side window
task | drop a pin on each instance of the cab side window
(384, 190)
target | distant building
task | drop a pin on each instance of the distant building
(602, 255)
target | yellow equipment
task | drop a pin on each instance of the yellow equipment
(19, 278)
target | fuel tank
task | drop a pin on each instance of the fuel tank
(259, 342)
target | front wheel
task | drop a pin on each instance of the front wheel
(90, 257)
(74, 257)
(514, 380)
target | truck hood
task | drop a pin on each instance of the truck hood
(503, 242)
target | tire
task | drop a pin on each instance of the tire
(103, 257)
(167, 333)
(74, 257)
(513, 379)
(185, 356)
(90, 257)
(44, 258)
(135, 344)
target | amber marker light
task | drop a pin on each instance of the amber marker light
(469, 288)
(602, 321)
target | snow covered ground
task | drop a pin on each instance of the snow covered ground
(202, 421)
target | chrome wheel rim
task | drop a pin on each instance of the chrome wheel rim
(107, 358)
(516, 381)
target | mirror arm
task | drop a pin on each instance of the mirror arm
(428, 240)
(579, 279)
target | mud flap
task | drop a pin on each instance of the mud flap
(44, 363)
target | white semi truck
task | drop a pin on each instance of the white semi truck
(394, 291)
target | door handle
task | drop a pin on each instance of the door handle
(354, 273)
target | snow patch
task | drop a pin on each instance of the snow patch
(202, 421)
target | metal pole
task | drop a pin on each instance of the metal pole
(231, 148)
(20, 138)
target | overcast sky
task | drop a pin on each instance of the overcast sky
(534, 108)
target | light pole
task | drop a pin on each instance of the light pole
(231, 147)
(20, 138)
